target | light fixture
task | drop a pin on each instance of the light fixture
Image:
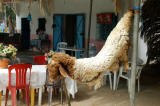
(29, 18)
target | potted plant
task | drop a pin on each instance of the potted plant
(7, 52)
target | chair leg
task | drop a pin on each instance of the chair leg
(6, 98)
(13, 96)
(27, 95)
(50, 95)
(117, 82)
(129, 85)
(110, 81)
(40, 96)
(138, 85)
(104, 80)
(32, 96)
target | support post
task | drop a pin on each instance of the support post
(89, 26)
(0, 97)
(134, 53)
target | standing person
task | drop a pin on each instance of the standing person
(44, 42)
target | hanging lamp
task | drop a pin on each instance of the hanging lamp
(29, 18)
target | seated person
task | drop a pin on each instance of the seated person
(42, 42)
(42, 35)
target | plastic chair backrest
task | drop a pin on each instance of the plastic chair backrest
(61, 45)
(21, 70)
(138, 72)
(40, 60)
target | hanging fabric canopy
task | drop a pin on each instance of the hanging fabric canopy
(117, 6)
(46, 6)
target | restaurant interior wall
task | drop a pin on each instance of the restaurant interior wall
(76, 6)
(67, 7)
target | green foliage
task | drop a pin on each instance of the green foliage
(10, 12)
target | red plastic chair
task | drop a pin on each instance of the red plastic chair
(40, 60)
(21, 70)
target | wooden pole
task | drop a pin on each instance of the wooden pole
(89, 26)
(134, 55)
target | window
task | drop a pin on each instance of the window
(105, 23)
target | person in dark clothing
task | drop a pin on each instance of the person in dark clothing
(42, 35)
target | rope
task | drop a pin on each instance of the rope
(137, 9)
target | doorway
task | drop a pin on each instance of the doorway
(25, 31)
(68, 28)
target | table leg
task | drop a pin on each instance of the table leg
(115, 80)
(110, 81)
(32, 96)
(0, 97)
(40, 96)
